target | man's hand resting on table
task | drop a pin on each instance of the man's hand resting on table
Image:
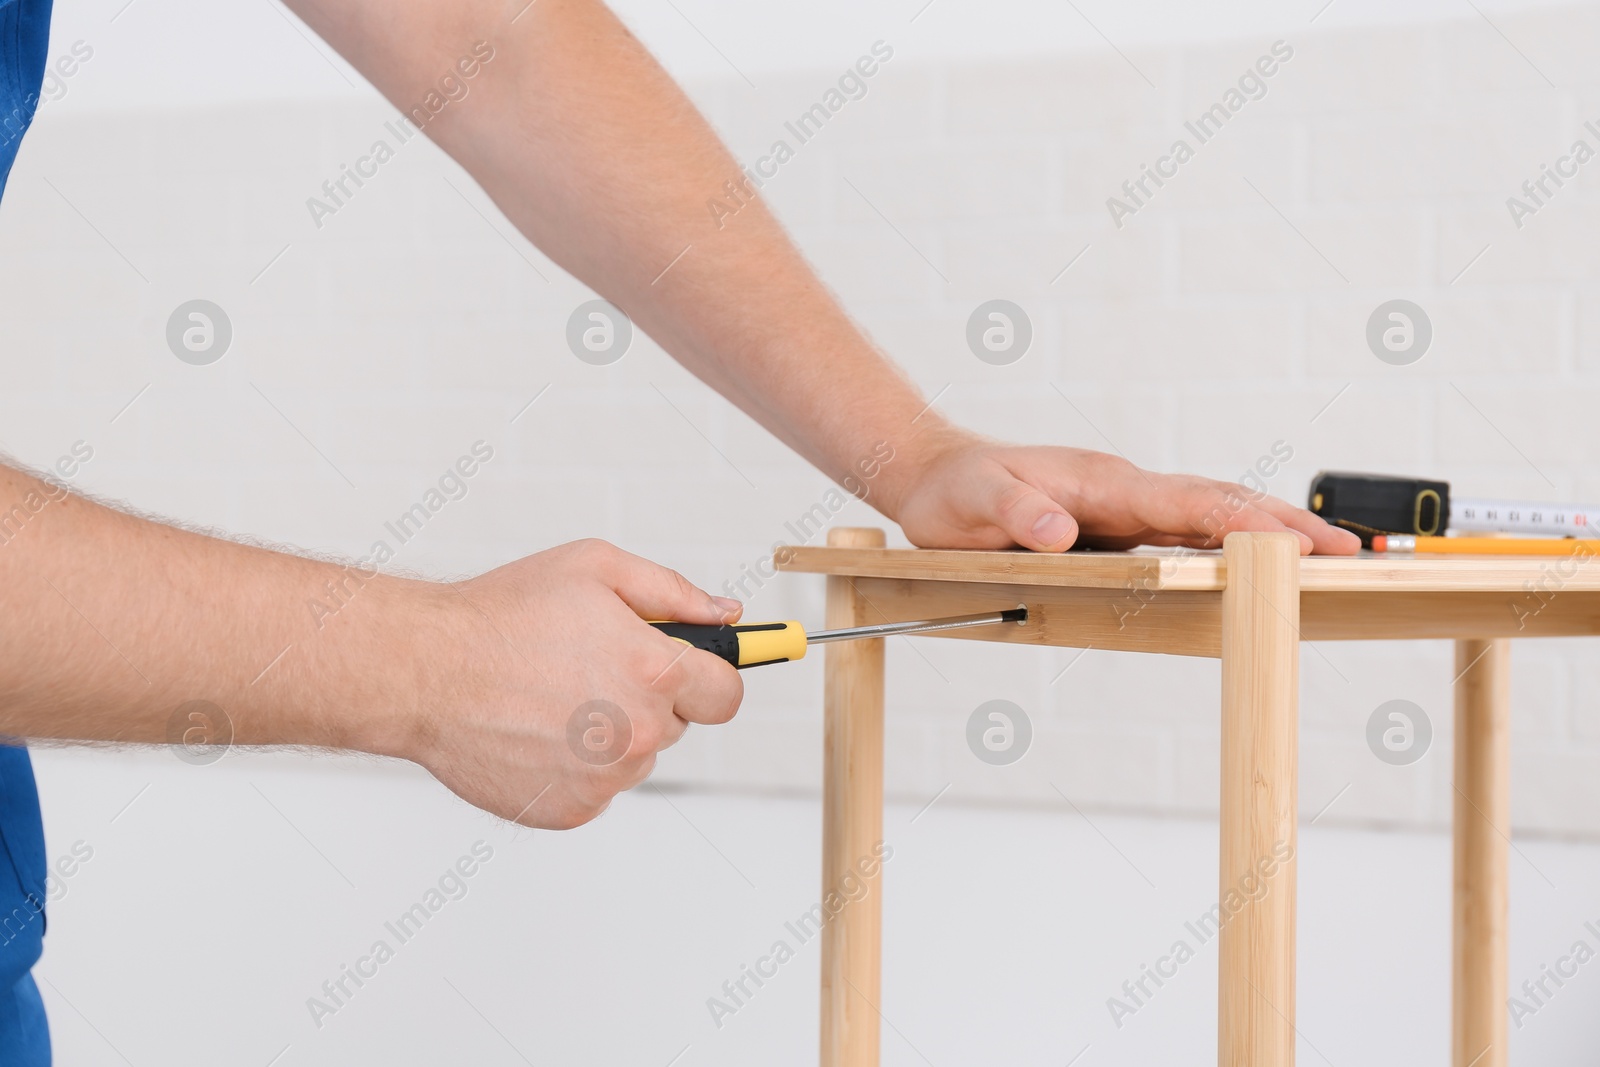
(973, 493)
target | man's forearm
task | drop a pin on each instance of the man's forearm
(598, 157)
(112, 622)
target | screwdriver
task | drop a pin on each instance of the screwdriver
(755, 644)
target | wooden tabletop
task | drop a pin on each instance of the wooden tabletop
(1106, 599)
(1178, 569)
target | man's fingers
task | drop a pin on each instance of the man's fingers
(1201, 512)
(656, 592)
(1207, 511)
(644, 770)
(1254, 520)
(1325, 539)
(704, 688)
(1265, 513)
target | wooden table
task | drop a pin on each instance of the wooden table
(1249, 605)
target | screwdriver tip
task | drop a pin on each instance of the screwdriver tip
(1014, 615)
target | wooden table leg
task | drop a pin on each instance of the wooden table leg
(1482, 854)
(1260, 739)
(852, 823)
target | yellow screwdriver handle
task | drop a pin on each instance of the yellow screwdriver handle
(751, 644)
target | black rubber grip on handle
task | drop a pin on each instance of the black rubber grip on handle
(721, 641)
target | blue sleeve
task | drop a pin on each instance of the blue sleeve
(24, 1032)
(24, 44)
(24, 1035)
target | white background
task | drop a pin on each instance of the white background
(1227, 316)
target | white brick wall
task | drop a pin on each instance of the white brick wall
(1194, 337)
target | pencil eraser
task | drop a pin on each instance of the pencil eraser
(1380, 543)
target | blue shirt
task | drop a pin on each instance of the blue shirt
(24, 42)
(24, 1036)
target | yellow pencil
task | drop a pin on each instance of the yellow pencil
(1485, 546)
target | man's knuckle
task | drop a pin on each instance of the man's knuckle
(1012, 497)
(570, 816)
(593, 548)
(648, 735)
(642, 771)
(1105, 466)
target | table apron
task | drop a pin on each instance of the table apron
(1130, 619)
(1189, 623)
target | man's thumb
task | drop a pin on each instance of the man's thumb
(1033, 520)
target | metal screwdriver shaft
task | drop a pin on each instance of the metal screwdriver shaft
(754, 644)
(892, 629)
